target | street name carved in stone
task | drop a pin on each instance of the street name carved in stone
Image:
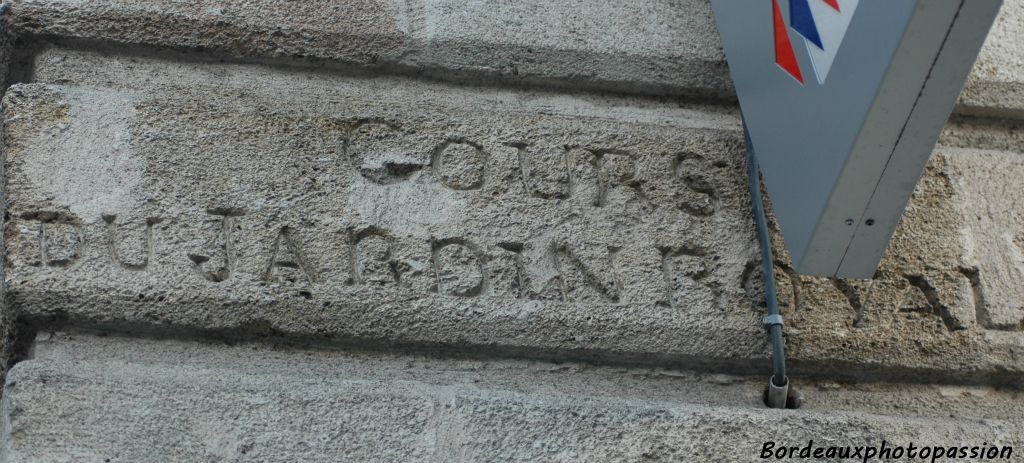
(406, 216)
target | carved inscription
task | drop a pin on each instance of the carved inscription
(686, 270)
(460, 267)
(603, 173)
(130, 253)
(460, 165)
(384, 153)
(616, 174)
(695, 193)
(545, 169)
(506, 271)
(923, 295)
(612, 180)
(451, 266)
(586, 275)
(950, 299)
(372, 262)
(59, 239)
(216, 260)
(288, 261)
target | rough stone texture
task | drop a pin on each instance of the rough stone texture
(994, 231)
(379, 209)
(341, 200)
(239, 199)
(995, 87)
(664, 47)
(934, 281)
(654, 46)
(84, 398)
(7, 319)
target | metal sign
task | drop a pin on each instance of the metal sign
(844, 101)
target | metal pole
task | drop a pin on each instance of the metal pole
(778, 384)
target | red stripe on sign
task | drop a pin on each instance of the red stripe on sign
(784, 55)
(833, 3)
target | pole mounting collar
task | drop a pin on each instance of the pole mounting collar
(771, 320)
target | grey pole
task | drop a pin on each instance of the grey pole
(778, 384)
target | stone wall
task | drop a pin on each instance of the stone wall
(433, 230)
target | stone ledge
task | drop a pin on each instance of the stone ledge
(135, 400)
(655, 47)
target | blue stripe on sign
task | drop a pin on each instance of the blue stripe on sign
(801, 20)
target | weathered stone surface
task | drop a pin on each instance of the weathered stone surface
(135, 400)
(996, 86)
(7, 319)
(993, 232)
(652, 46)
(934, 282)
(239, 199)
(320, 199)
(356, 31)
(377, 209)
(662, 47)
